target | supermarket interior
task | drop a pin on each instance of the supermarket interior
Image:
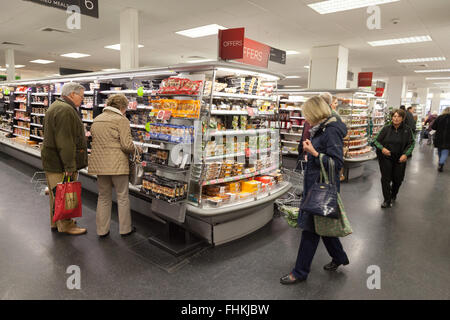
(217, 100)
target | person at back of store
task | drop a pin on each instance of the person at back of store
(442, 137)
(394, 143)
(112, 144)
(327, 134)
(64, 150)
(428, 124)
(410, 121)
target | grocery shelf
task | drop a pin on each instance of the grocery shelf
(22, 110)
(378, 124)
(240, 177)
(37, 137)
(290, 109)
(24, 120)
(218, 157)
(38, 103)
(21, 127)
(290, 142)
(358, 125)
(86, 120)
(6, 130)
(9, 111)
(140, 126)
(38, 114)
(358, 146)
(296, 126)
(370, 156)
(36, 125)
(230, 112)
(143, 107)
(19, 92)
(377, 117)
(238, 96)
(86, 107)
(147, 145)
(238, 132)
(39, 94)
(291, 134)
(296, 117)
(23, 137)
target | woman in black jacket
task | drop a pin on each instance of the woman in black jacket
(395, 142)
(327, 134)
(442, 136)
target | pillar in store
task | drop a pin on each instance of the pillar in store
(129, 39)
(436, 101)
(422, 96)
(396, 90)
(10, 63)
(353, 84)
(328, 67)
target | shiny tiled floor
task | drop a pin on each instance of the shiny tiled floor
(410, 243)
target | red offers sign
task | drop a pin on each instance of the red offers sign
(233, 46)
(365, 79)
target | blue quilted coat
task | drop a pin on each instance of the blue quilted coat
(328, 140)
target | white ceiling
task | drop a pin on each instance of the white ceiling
(285, 24)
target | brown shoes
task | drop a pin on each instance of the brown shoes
(70, 227)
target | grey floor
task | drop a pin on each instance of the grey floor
(410, 243)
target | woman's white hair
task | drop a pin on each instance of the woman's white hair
(327, 97)
(70, 87)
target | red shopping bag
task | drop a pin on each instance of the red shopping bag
(67, 200)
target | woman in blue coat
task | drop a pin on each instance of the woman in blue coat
(327, 135)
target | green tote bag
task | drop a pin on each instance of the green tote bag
(328, 227)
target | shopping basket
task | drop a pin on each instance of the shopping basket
(40, 183)
(295, 177)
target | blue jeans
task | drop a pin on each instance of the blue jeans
(443, 155)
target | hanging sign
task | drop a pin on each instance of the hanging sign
(233, 46)
(87, 7)
(277, 55)
(365, 79)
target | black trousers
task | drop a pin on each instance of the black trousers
(392, 175)
(307, 249)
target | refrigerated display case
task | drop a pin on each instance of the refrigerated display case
(210, 135)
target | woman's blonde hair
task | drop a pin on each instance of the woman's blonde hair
(315, 109)
(118, 101)
(446, 111)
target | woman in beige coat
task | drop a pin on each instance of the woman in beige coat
(111, 146)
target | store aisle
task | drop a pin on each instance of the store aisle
(410, 243)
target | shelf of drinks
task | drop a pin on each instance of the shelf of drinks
(36, 125)
(42, 94)
(86, 107)
(20, 101)
(19, 127)
(249, 132)
(20, 92)
(39, 103)
(37, 137)
(21, 110)
(240, 177)
(38, 114)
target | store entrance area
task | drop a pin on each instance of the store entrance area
(409, 243)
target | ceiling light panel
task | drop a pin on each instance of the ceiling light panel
(291, 52)
(75, 55)
(201, 31)
(437, 70)
(42, 61)
(117, 46)
(291, 87)
(438, 78)
(421, 60)
(292, 77)
(391, 42)
(331, 6)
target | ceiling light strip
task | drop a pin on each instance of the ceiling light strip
(391, 42)
(331, 6)
(432, 59)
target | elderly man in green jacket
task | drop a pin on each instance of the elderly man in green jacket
(65, 147)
